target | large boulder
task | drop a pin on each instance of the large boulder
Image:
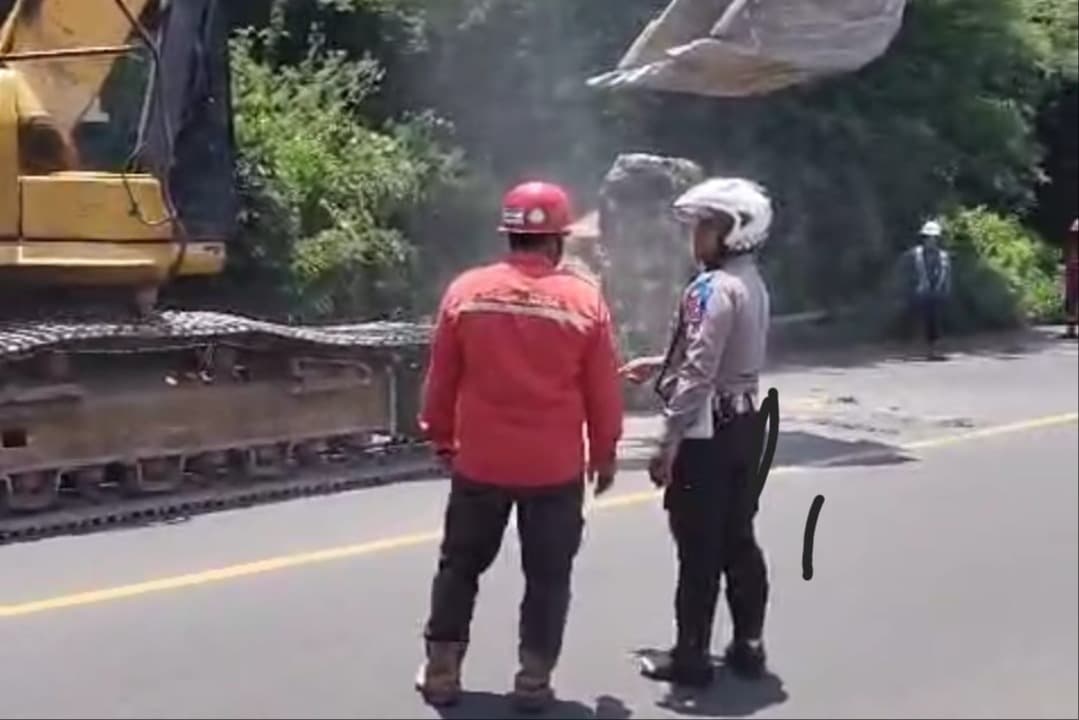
(633, 247)
(647, 252)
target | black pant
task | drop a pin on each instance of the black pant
(928, 313)
(550, 524)
(711, 504)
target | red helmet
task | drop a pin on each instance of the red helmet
(536, 208)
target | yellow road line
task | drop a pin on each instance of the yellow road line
(1023, 426)
(226, 573)
(285, 562)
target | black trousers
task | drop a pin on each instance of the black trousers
(550, 524)
(711, 503)
(927, 314)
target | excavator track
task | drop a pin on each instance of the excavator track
(376, 466)
(117, 421)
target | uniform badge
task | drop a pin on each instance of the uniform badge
(696, 300)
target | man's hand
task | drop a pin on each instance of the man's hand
(641, 370)
(661, 466)
(445, 459)
(602, 477)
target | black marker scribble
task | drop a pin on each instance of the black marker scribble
(767, 441)
(766, 451)
(807, 542)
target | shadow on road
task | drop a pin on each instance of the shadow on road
(796, 447)
(491, 706)
(728, 696)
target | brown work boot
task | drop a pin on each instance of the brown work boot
(439, 679)
(532, 691)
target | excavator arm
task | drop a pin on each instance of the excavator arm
(738, 48)
(63, 52)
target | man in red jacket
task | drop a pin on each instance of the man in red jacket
(523, 359)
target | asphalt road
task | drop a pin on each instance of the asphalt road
(946, 580)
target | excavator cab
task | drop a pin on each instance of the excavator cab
(116, 144)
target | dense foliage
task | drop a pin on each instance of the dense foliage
(377, 136)
(325, 191)
(1012, 271)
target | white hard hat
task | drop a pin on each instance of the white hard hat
(744, 201)
(932, 229)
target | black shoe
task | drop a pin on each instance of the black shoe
(666, 668)
(745, 660)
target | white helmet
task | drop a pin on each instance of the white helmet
(932, 229)
(744, 201)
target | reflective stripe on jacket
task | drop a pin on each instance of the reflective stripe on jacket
(922, 282)
(523, 360)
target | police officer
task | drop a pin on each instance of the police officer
(523, 360)
(708, 455)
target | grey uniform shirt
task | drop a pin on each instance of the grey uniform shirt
(721, 348)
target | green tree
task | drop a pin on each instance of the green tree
(1005, 274)
(1058, 21)
(955, 115)
(325, 192)
(856, 163)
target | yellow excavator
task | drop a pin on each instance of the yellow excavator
(116, 178)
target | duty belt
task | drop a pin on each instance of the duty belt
(728, 406)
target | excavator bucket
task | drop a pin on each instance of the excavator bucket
(738, 48)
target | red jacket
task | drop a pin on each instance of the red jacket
(523, 358)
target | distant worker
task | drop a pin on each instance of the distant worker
(1071, 282)
(708, 455)
(523, 359)
(930, 284)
